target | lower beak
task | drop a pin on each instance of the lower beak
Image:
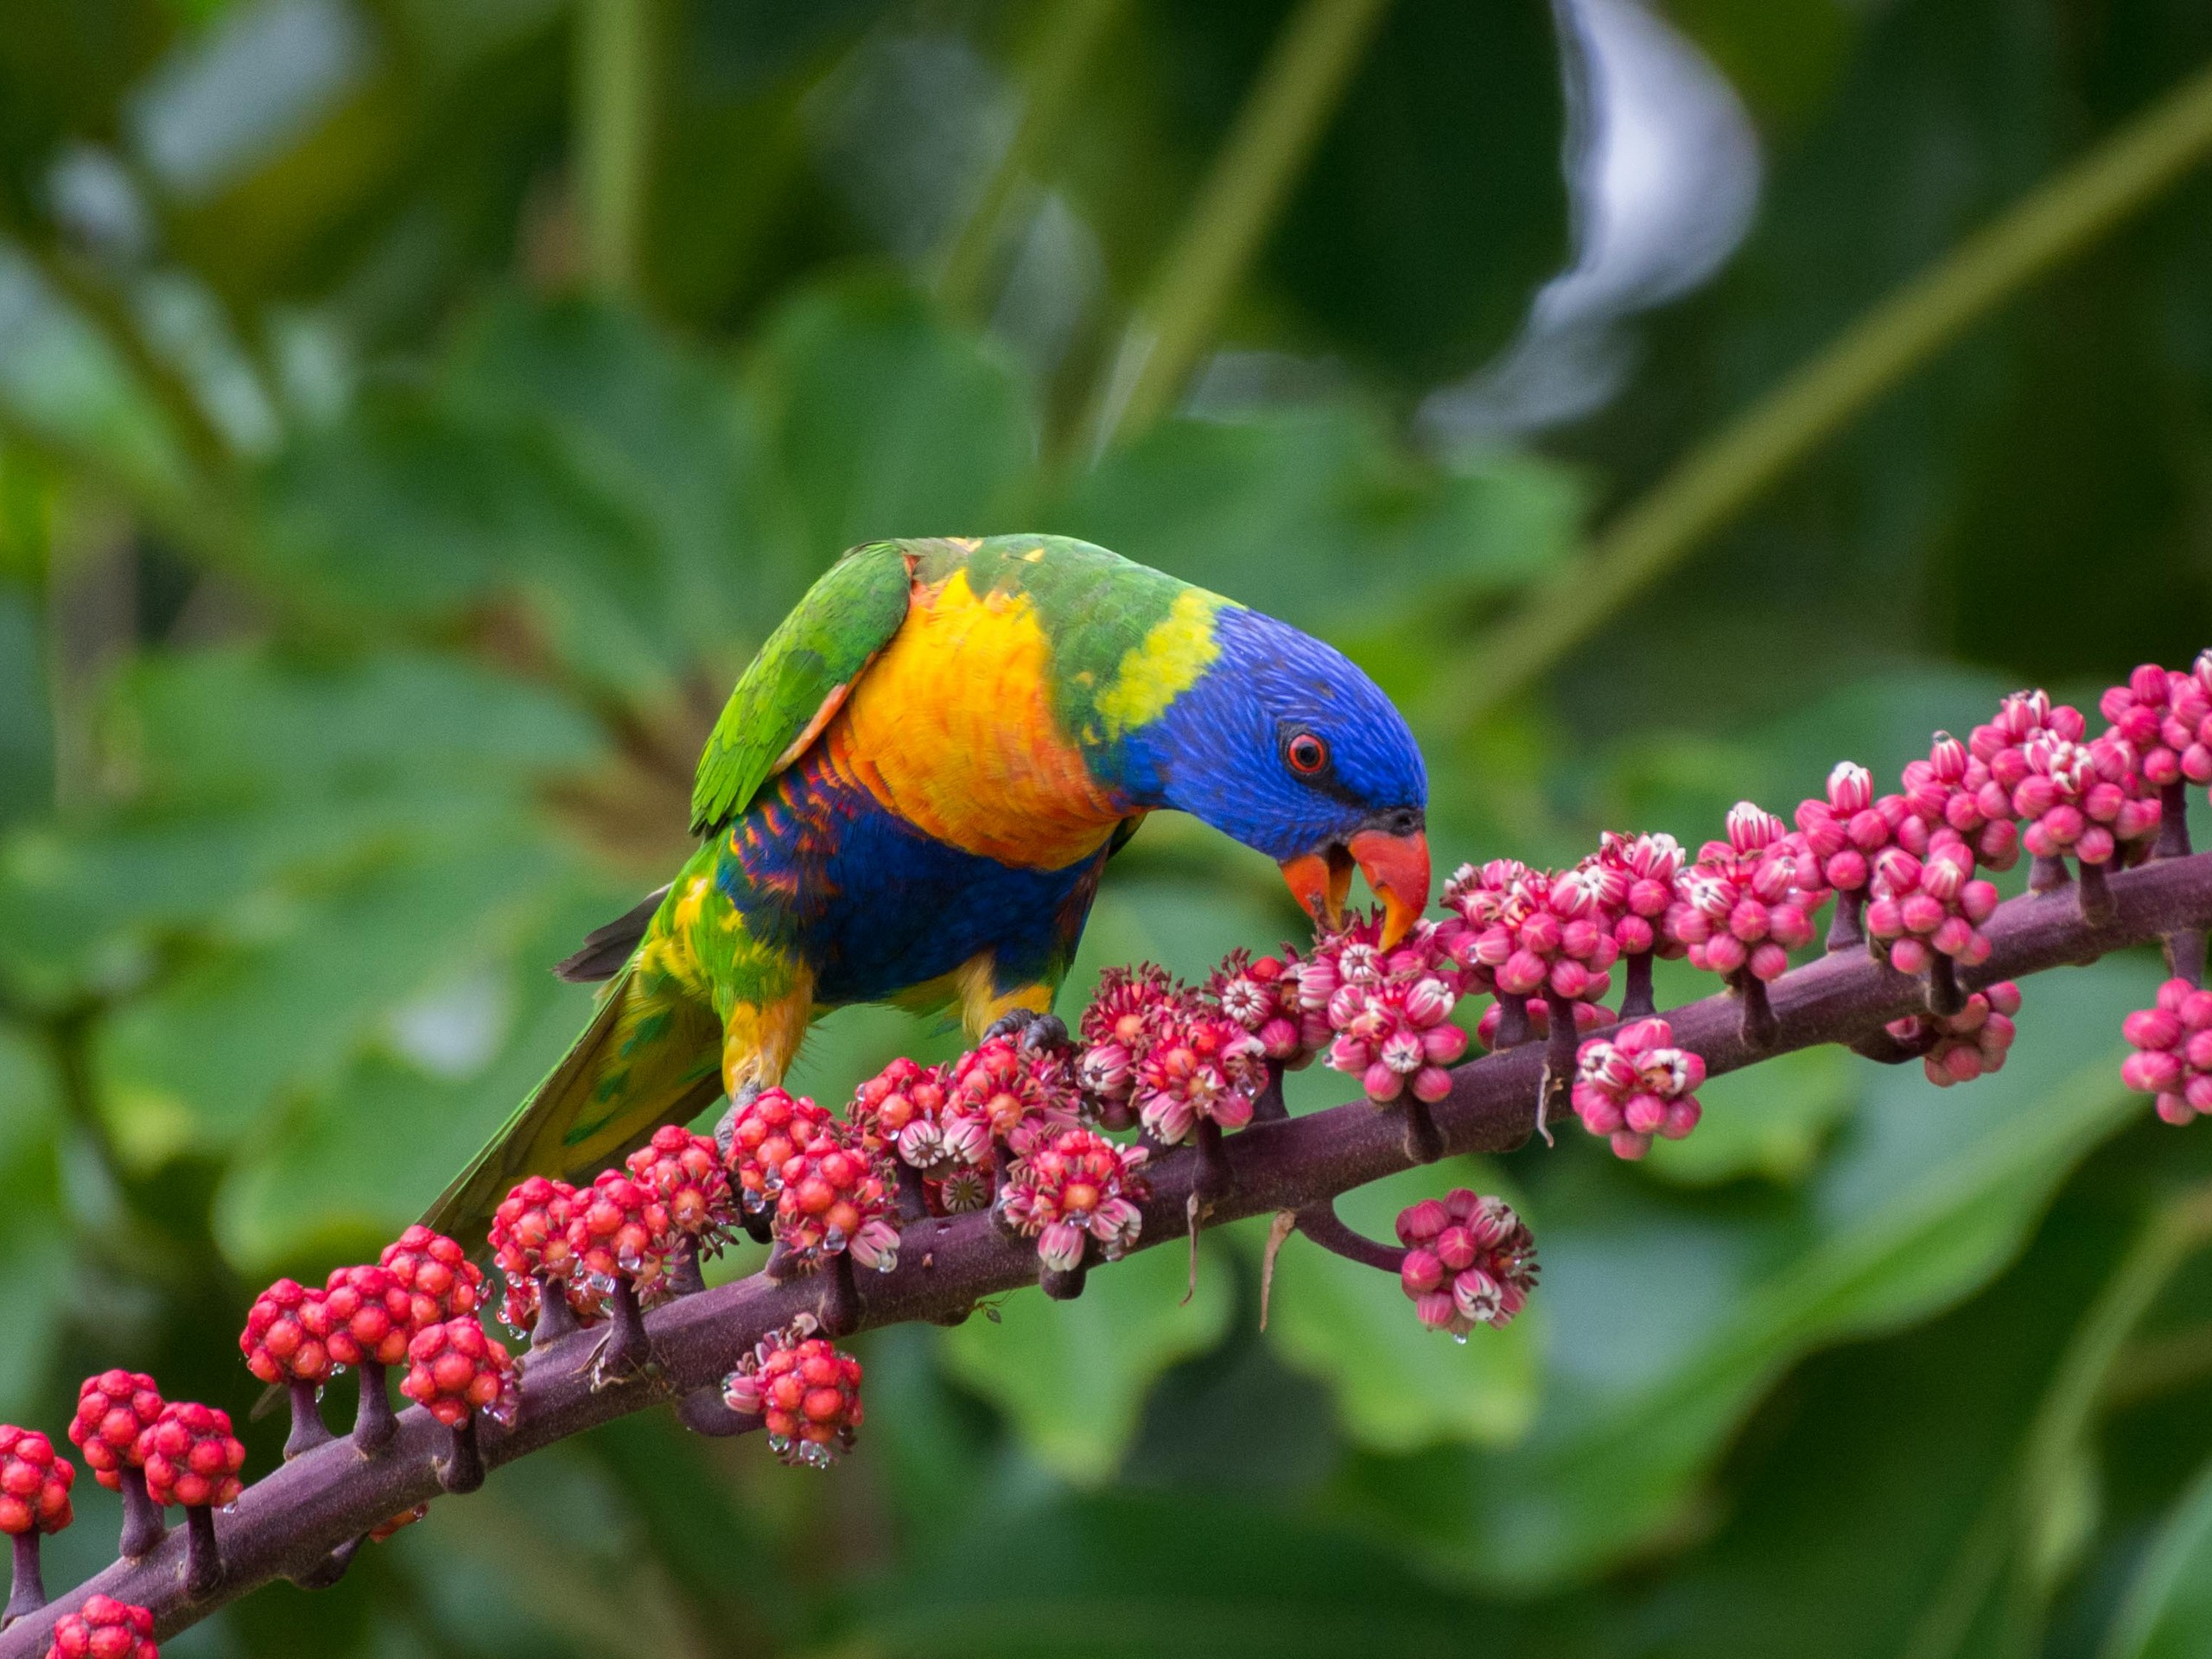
(1320, 882)
(1396, 867)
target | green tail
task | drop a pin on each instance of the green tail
(651, 1056)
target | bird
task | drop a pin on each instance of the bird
(911, 797)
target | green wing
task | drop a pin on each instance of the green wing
(798, 679)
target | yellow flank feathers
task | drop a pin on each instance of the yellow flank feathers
(1152, 674)
(759, 1040)
(953, 729)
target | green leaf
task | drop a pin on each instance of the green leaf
(2167, 1613)
(884, 422)
(1072, 1376)
(26, 723)
(1186, 1575)
(1767, 1120)
(569, 454)
(1399, 1387)
(1264, 508)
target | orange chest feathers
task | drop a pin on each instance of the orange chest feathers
(952, 727)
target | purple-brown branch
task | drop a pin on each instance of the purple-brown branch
(287, 1524)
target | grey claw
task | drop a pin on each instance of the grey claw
(1046, 1031)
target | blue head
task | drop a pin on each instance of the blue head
(1284, 745)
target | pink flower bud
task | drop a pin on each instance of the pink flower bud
(1420, 1272)
(1851, 787)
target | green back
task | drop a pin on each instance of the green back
(1096, 607)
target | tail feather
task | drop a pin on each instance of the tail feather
(606, 949)
(651, 1056)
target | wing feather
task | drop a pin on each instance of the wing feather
(802, 675)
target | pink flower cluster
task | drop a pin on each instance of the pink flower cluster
(2166, 716)
(1533, 933)
(1636, 877)
(1006, 1091)
(1636, 1085)
(2083, 798)
(1172, 1058)
(1076, 1187)
(1469, 1261)
(1970, 1043)
(1748, 901)
(1923, 906)
(2172, 1062)
(1390, 1011)
(1264, 994)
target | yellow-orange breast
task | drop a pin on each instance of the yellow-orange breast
(952, 727)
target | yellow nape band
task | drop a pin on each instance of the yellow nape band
(1152, 674)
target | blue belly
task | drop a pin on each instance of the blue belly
(875, 908)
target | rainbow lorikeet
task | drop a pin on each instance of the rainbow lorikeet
(911, 796)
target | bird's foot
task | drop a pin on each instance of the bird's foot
(1037, 1031)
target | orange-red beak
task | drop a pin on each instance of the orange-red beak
(1396, 867)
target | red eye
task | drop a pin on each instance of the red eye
(1307, 752)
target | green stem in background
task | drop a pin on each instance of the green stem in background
(2026, 1511)
(102, 307)
(615, 84)
(1719, 480)
(1068, 41)
(1283, 117)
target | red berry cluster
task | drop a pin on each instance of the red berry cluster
(2166, 716)
(772, 1128)
(2172, 1060)
(899, 1110)
(530, 1241)
(619, 1229)
(1971, 1043)
(807, 1394)
(1469, 1261)
(191, 1456)
(35, 1482)
(282, 1341)
(686, 1171)
(836, 1196)
(1078, 1187)
(113, 1409)
(105, 1627)
(1636, 1085)
(905, 1111)
(1390, 1012)
(439, 1280)
(454, 1371)
(366, 1315)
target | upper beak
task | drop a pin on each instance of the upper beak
(1396, 867)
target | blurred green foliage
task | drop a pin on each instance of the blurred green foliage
(377, 540)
